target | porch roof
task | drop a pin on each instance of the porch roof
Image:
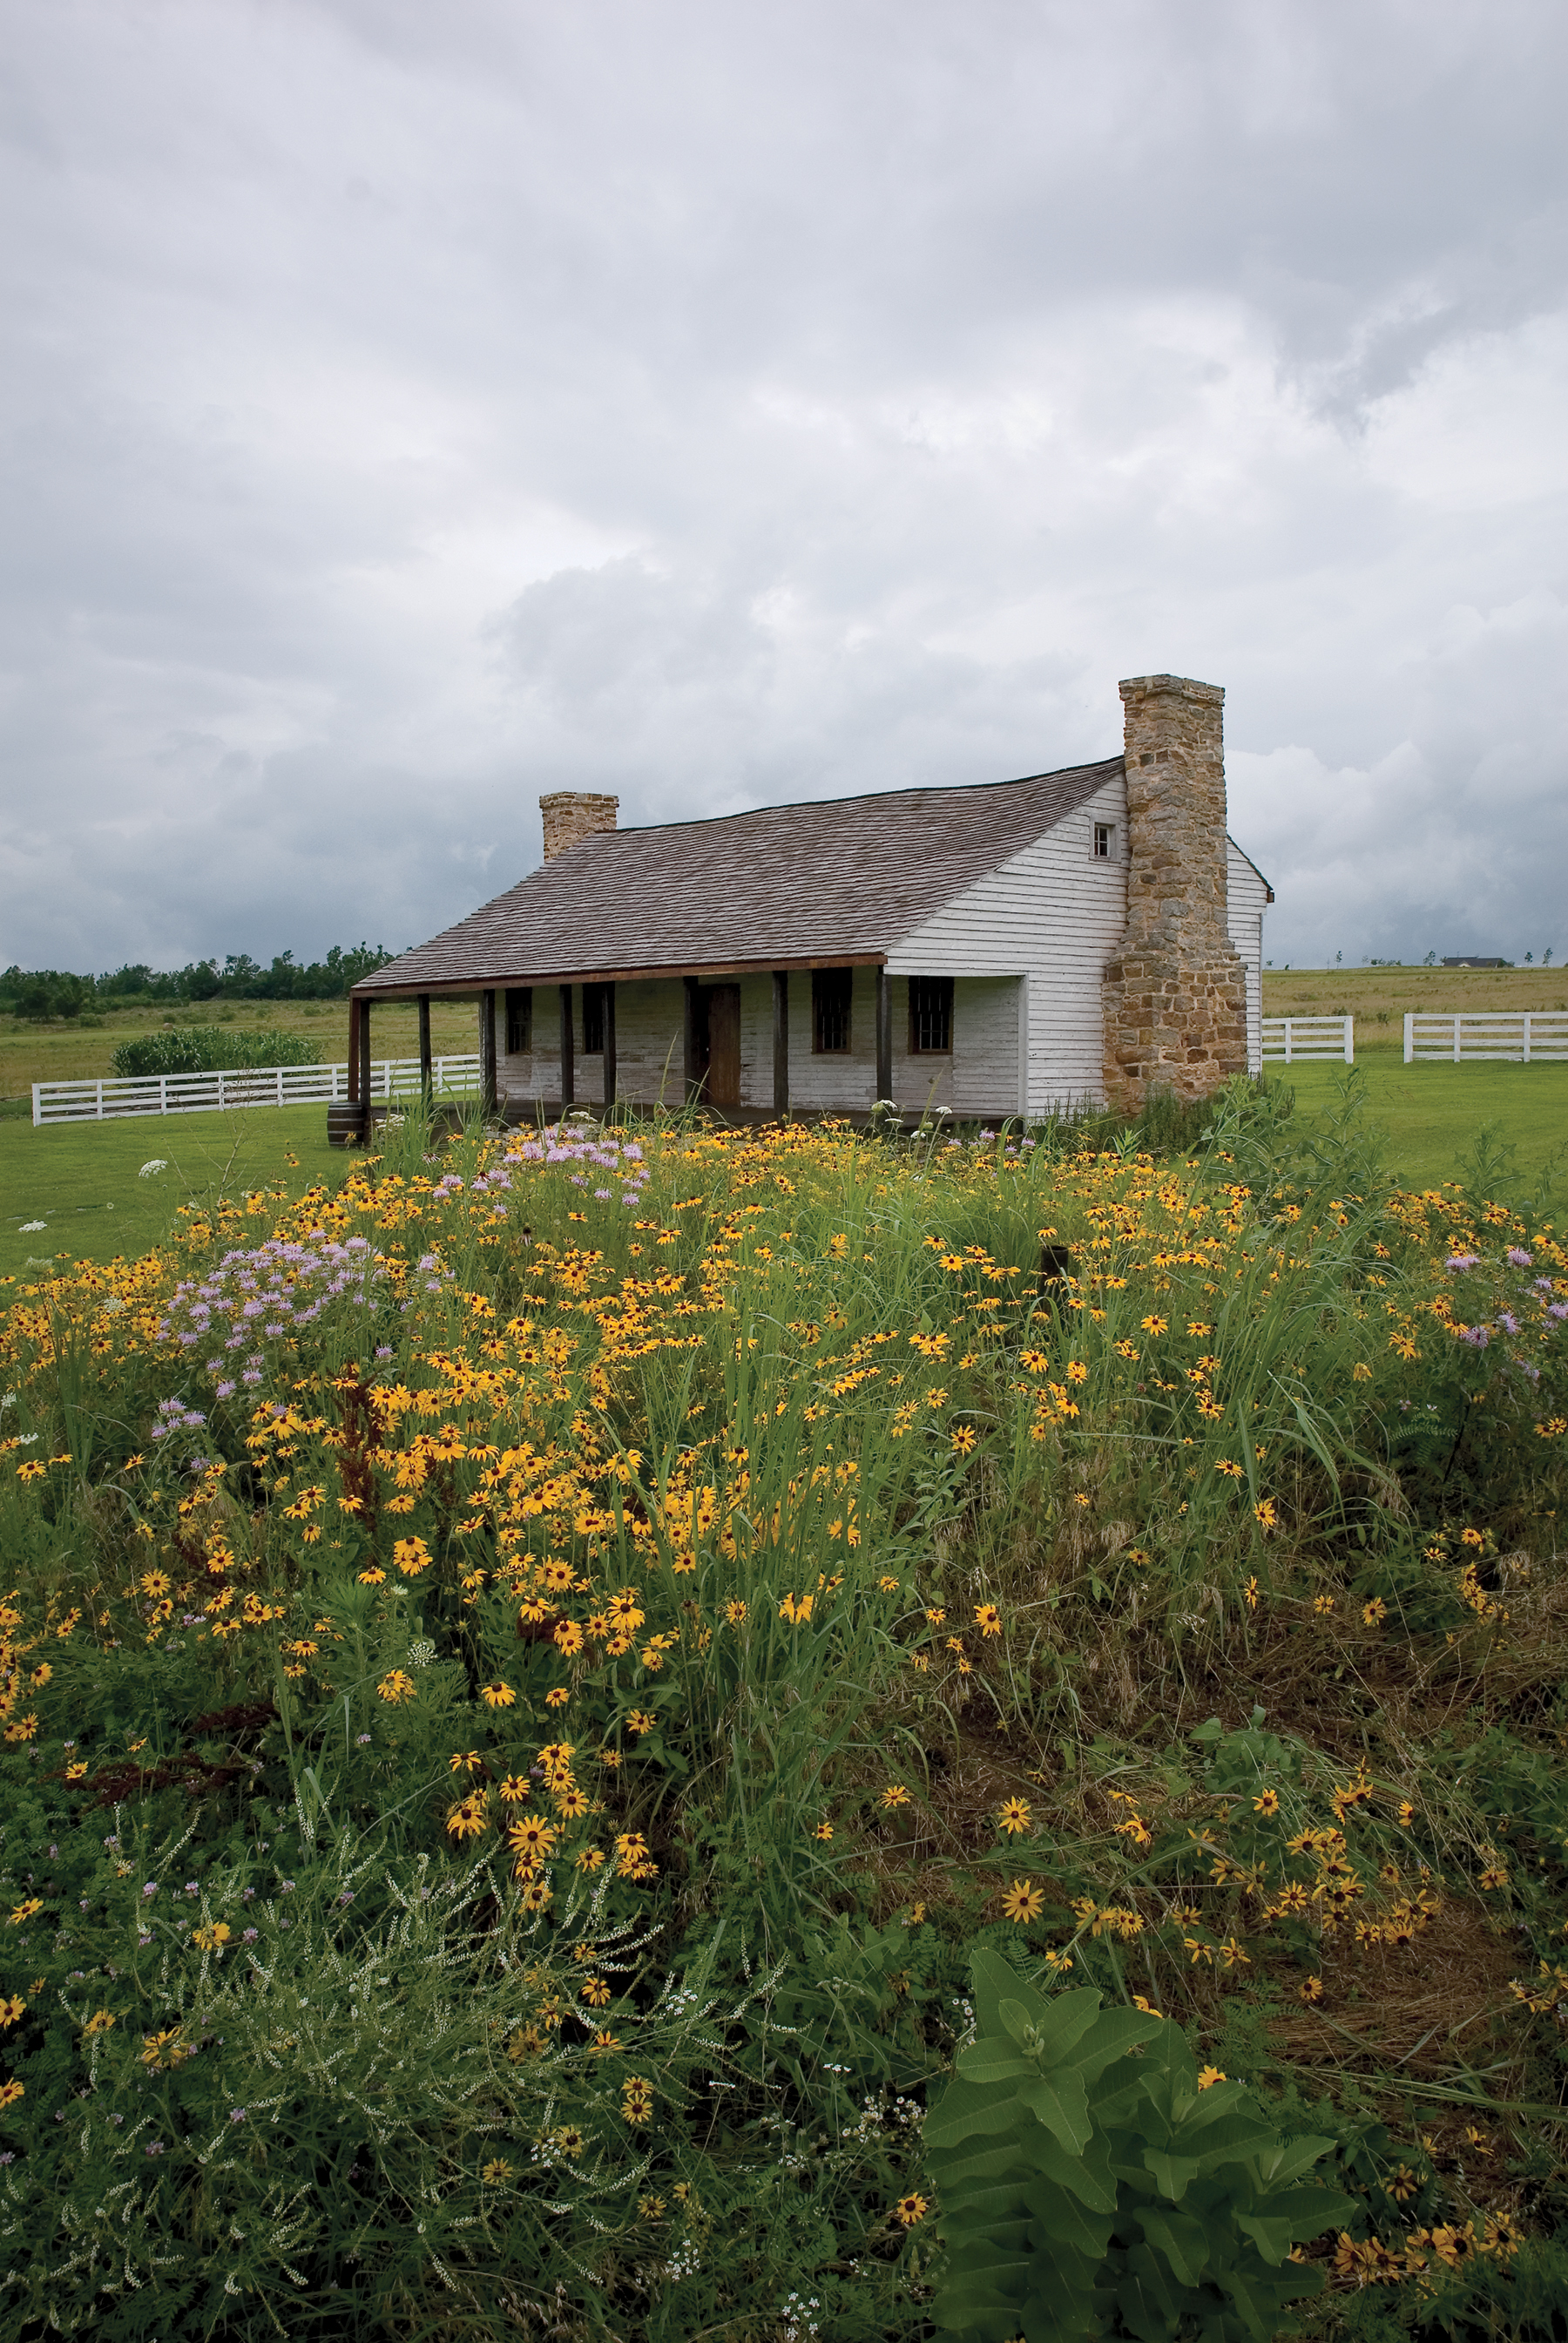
(827, 883)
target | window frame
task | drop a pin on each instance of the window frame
(926, 992)
(832, 1010)
(1102, 842)
(519, 1009)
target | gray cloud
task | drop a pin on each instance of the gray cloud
(408, 410)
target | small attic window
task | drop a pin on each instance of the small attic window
(831, 990)
(1105, 841)
(519, 1020)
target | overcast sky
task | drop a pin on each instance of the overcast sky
(411, 408)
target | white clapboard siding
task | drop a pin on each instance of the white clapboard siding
(1247, 896)
(1049, 920)
(1053, 916)
(841, 1078)
(650, 1047)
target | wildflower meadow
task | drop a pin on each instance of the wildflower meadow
(663, 1732)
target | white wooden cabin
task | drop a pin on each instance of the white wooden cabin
(938, 948)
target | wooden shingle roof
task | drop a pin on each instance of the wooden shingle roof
(827, 882)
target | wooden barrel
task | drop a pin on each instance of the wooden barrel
(345, 1123)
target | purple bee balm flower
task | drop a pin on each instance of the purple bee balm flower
(1558, 1309)
(249, 1936)
(1507, 1320)
(1475, 1336)
(225, 1390)
(1461, 1260)
(1518, 1257)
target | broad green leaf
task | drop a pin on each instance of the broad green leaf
(1062, 2314)
(1309, 2209)
(964, 2108)
(1060, 2220)
(1022, 2028)
(994, 2062)
(1271, 2236)
(1180, 2239)
(954, 2172)
(1113, 2034)
(1089, 2176)
(1288, 2158)
(996, 1980)
(1173, 2173)
(1062, 2106)
(1256, 2309)
(1147, 2306)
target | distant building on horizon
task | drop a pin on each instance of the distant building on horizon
(1471, 960)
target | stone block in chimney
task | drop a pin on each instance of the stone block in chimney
(572, 815)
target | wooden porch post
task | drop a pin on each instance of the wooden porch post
(781, 1042)
(884, 1034)
(608, 1046)
(690, 1070)
(353, 1048)
(568, 1068)
(487, 1051)
(364, 1091)
(426, 1062)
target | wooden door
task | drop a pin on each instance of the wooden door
(723, 1086)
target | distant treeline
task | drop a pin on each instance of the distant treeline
(44, 992)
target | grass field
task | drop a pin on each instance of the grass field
(83, 1181)
(74, 1051)
(1378, 997)
(1433, 1114)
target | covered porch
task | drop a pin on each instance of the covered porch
(745, 1042)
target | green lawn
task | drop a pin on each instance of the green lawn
(83, 1180)
(1432, 1113)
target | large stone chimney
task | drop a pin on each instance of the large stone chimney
(1175, 995)
(572, 815)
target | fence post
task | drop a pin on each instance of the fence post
(1350, 1040)
(1409, 1035)
(1287, 1040)
(1456, 1041)
(1527, 1036)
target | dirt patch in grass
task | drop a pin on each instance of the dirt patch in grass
(1440, 2002)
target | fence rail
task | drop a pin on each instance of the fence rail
(140, 1094)
(1522, 1036)
(1294, 1038)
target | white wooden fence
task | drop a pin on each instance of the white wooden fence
(1295, 1037)
(118, 1096)
(1521, 1035)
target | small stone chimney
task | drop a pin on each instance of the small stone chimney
(572, 815)
(1175, 996)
